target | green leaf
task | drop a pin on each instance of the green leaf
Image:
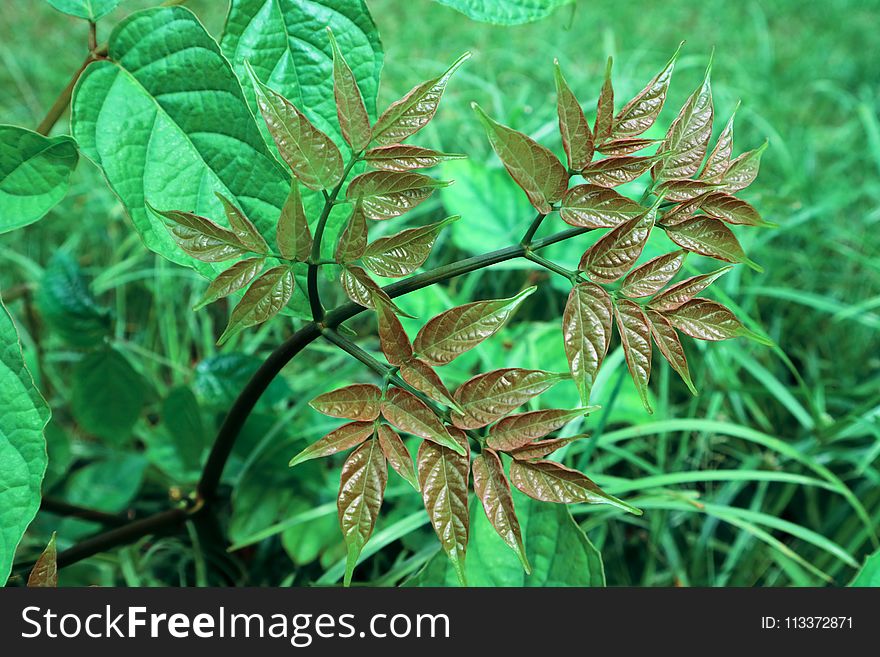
(350, 109)
(34, 175)
(404, 252)
(647, 279)
(493, 491)
(640, 113)
(457, 330)
(592, 206)
(549, 481)
(311, 154)
(506, 12)
(617, 170)
(231, 280)
(423, 378)
(90, 10)
(107, 395)
(353, 241)
(709, 237)
(285, 43)
(577, 138)
(361, 490)
(680, 293)
(128, 109)
(516, 431)
(688, 136)
(667, 341)
(44, 574)
(182, 417)
(869, 575)
(404, 157)
(534, 167)
(443, 480)
(613, 255)
(605, 108)
(397, 454)
(68, 306)
(743, 170)
(23, 417)
(635, 336)
(219, 380)
(410, 414)
(709, 320)
(388, 194)
(264, 299)
(407, 116)
(586, 334)
(559, 551)
(345, 437)
(487, 397)
(292, 235)
(360, 401)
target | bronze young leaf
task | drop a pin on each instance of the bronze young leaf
(264, 299)
(680, 293)
(345, 437)
(392, 336)
(493, 491)
(44, 574)
(625, 146)
(363, 290)
(410, 414)
(541, 448)
(246, 232)
(709, 237)
(397, 454)
(231, 280)
(292, 234)
(640, 113)
(617, 251)
(423, 378)
(743, 170)
(360, 401)
(586, 333)
(200, 237)
(719, 158)
(404, 157)
(685, 190)
(709, 320)
(667, 341)
(516, 431)
(635, 336)
(593, 206)
(350, 110)
(388, 194)
(534, 167)
(605, 108)
(577, 138)
(404, 252)
(647, 279)
(731, 210)
(361, 491)
(617, 170)
(353, 241)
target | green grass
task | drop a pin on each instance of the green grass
(769, 477)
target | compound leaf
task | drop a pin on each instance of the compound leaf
(592, 206)
(685, 190)
(486, 397)
(345, 437)
(388, 194)
(410, 414)
(667, 341)
(363, 290)
(635, 336)
(730, 209)
(231, 280)
(605, 108)
(516, 431)
(617, 251)
(625, 146)
(243, 228)
(201, 238)
(292, 235)
(353, 241)
(350, 109)
(404, 252)
(719, 158)
(392, 337)
(680, 293)
(360, 401)
(709, 237)
(743, 170)
(709, 320)
(423, 378)
(617, 170)
(640, 113)
(404, 157)
(586, 334)
(541, 448)
(493, 491)
(647, 279)
(264, 299)
(397, 454)
(577, 138)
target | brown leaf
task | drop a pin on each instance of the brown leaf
(684, 190)
(586, 333)
(345, 437)
(732, 210)
(592, 206)
(640, 113)
(264, 299)
(404, 252)
(635, 336)
(44, 574)
(534, 167)
(388, 194)
(617, 251)
(200, 237)
(617, 170)
(577, 138)
(231, 280)
(486, 397)
(605, 108)
(743, 170)
(719, 159)
(403, 157)
(397, 454)
(361, 491)
(706, 320)
(410, 414)
(360, 401)
(646, 279)
(516, 431)
(292, 234)
(680, 293)
(392, 337)
(363, 290)
(667, 341)
(350, 110)
(709, 237)
(443, 479)
(625, 146)
(423, 378)
(541, 448)
(246, 232)
(493, 490)
(353, 241)
(547, 481)
(457, 330)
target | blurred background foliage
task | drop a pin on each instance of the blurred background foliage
(746, 484)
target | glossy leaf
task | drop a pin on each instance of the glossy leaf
(353, 240)
(592, 206)
(743, 170)
(311, 155)
(625, 146)
(392, 337)
(731, 210)
(404, 252)
(586, 334)
(107, 395)
(202, 238)
(411, 113)
(617, 251)
(647, 279)
(680, 293)
(388, 194)
(397, 454)
(709, 320)
(244, 230)
(681, 212)
(44, 574)
(410, 414)
(404, 157)
(667, 341)
(34, 174)
(617, 170)
(493, 491)
(345, 437)
(363, 290)
(360, 401)
(605, 108)
(487, 397)
(457, 330)
(684, 190)
(635, 336)
(516, 431)
(443, 479)
(548, 481)
(541, 448)
(534, 167)
(577, 138)
(264, 299)
(640, 113)
(231, 280)
(23, 417)
(688, 137)
(361, 491)
(350, 109)
(719, 158)
(292, 235)
(423, 378)
(709, 237)
(90, 10)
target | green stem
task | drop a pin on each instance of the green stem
(552, 266)
(533, 228)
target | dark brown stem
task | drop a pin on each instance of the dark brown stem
(61, 103)
(61, 508)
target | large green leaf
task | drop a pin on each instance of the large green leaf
(558, 550)
(171, 139)
(23, 416)
(869, 575)
(90, 10)
(34, 172)
(286, 44)
(506, 12)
